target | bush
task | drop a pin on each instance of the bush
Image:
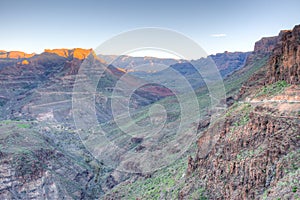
(272, 89)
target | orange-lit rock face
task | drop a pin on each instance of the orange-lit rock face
(15, 54)
(81, 53)
(122, 70)
(78, 53)
(74, 53)
(3, 54)
(25, 62)
(59, 52)
(18, 55)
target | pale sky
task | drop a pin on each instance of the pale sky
(217, 26)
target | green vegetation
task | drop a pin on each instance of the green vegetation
(163, 184)
(198, 194)
(265, 195)
(240, 115)
(243, 110)
(18, 124)
(290, 181)
(245, 114)
(232, 109)
(234, 82)
(23, 125)
(294, 189)
(249, 153)
(272, 89)
(6, 122)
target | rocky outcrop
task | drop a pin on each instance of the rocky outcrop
(15, 55)
(281, 57)
(32, 167)
(266, 44)
(25, 62)
(250, 157)
(82, 53)
(60, 52)
(284, 64)
(253, 151)
(78, 53)
(262, 48)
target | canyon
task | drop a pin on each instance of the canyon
(251, 151)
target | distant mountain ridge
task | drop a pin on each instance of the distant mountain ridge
(14, 55)
(159, 69)
(78, 53)
(224, 61)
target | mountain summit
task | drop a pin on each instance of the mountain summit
(78, 53)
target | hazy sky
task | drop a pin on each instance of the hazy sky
(232, 25)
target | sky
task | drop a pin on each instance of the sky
(216, 25)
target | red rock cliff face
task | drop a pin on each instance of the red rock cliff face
(285, 59)
(254, 168)
(248, 161)
(266, 44)
(262, 48)
(254, 148)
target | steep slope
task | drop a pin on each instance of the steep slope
(285, 61)
(43, 160)
(37, 163)
(228, 62)
(168, 182)
(255, 145)
(42, 155)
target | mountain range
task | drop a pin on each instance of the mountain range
(251, 151)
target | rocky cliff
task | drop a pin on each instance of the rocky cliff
(71, 53)
(36, 164)
(257, 150)
(255, 145)
(78, 53)
(285, 60)
(14, 55)
(266, 44)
